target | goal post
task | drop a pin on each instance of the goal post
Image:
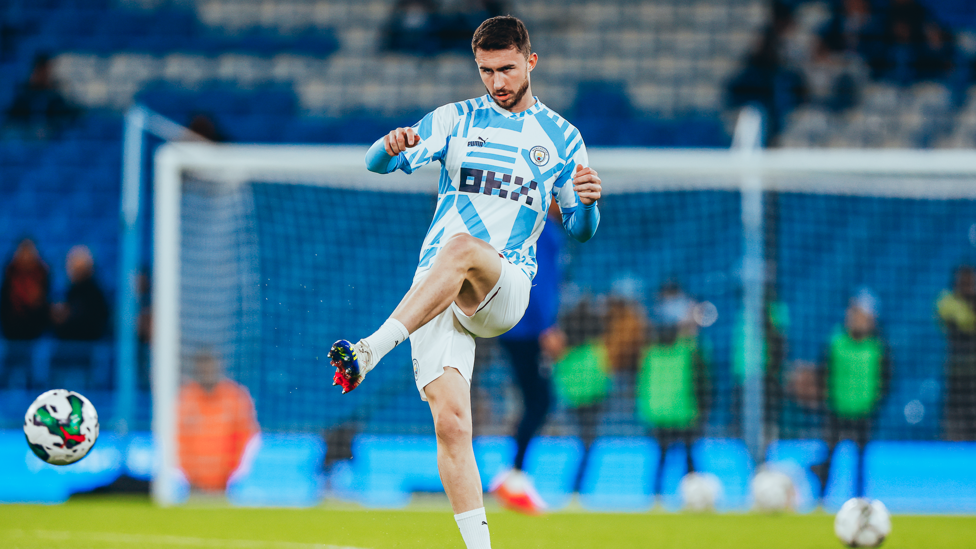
(238, 226)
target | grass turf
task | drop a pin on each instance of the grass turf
(125, 523)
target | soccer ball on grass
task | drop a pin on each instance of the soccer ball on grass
(61, 426)
(862, 523)
(700, 491)
(773, 491)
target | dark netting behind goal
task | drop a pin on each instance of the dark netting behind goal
(273, 273)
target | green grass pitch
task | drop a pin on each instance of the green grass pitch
(125, 523)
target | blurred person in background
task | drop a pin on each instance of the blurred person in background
(673, 389)
(601, 345)
(217, 421)
(413, 28)
(855, 377)
(773, 355)
(956, 310)
(936, 54)
(24, 306)
(83, 316)
(458, 19)
(203, 126)
(39, 110)
(532, 345)
(767, 80)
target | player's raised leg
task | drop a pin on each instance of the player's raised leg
(450, 404)
(464, 271)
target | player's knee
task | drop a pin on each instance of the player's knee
(461, 246)
(452, 427)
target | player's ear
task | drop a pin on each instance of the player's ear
(533, 60)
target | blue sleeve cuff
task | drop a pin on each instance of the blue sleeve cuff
(582, 222)
(378, 161)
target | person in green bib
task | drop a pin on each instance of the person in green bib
(856, 373)
(956, 309)
(672, 379)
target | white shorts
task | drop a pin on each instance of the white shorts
(448, 339)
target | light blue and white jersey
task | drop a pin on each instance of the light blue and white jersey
(499, 171)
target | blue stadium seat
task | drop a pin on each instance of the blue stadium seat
(729, 460)
(140, 456)
(801, 455)
(286, 472)
(26, 479)
(674, 468)
(388, 468)
(553, 463)
(619, 474)
(493, 455)
(841, 477)
(922, 477)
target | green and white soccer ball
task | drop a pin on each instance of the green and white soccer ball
(862, 523)
(61, 426)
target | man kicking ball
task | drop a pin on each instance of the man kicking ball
(503, 157)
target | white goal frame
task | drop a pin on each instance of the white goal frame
(751, 171)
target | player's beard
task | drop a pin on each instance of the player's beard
(513, 98)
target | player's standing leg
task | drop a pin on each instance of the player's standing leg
(450, 404)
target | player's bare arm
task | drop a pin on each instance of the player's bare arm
(399, 140)
(587, 184)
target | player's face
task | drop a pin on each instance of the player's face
(505, 74)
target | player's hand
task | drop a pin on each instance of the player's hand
(587, 185)
(400, 140)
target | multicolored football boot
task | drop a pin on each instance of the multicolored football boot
(351, 362)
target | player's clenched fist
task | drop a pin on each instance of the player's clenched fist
(400, 140)
(586, 183)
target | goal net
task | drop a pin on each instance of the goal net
(731, 298)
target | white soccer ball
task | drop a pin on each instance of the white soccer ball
(700, 491)
(773, 491)
(862, 523)
(61, 426)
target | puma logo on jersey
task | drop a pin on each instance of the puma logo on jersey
(480, 142)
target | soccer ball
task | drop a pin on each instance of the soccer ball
(61, 426)
(773, 491)
(862, 523)
(700, 491)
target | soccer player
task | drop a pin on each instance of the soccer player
(503, 157)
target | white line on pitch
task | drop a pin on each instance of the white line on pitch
(174, 541)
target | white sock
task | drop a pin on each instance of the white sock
(390, 334)
(474, 528)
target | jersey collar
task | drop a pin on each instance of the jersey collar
(536, 107)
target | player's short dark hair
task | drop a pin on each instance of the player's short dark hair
(502, 33)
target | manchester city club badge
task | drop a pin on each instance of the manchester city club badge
(539, 155)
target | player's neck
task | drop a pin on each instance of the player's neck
(526, 103)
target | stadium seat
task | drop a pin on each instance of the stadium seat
(26, 479)
(729, 460)
(922, 477)
(493, 455)
(674, 468)
(553, 464)
(388, 468)
(841, 478)
(286, 472)
(800, 455)
(619, 474)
